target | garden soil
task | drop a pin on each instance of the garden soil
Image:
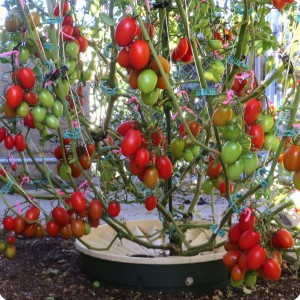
(51, 269)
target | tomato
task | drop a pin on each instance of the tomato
(20, 142)
(222, 116)
(139, 55)
(271, 269)
(72, 50)
(231, 132)
(271, 142)
(40, 231)
(11, 23)
(250, 279)
(14, 96)
(8, 223)
(237, 273)
(222, 187)
(150, 176)
(176, 147)
(208, 186)
(94, 222)
(150, 98)
(51, 122)
(29, 120)
(75, 170)
(157, 137)
(3, 133)
(133, 76)
(284, 239)
(123, 58)
(231, 151)
(66, 231)
(39, 113)
(174, 56)
(32, 213)
(78, 228)
(23, 109)
(131, 142)
(291, 158)
(164, 63)
(68, 20)
(256, 256)
(250, 161)
(85, 161)
(134, 168)
(52, 228)
(150, 202)
(231, 258)
(30, 97)
(78, 201)
(150, 30)
(188, 57)
(8, 111)
(83, 43)
(125, 126)
(58, 152)
(234, 233)
(251, 110)
(164, 167)
(256, 134)
(182, 47)
(234, 170)
(245, 222)
(19, 225)
(214, 169)
(113, 209)
(243, 261)
(57, 109)
(67, 32)
(60, 215)
(266, 122)
(95, 209)
(277, 256)
(11, 239)
(46, 98)
(26, 78)
(10, 251)
(65, 8)
(231, 246)
(147, 81)
(125, 32)
(142, 157)
(30, 230)
(279, 4)
(248, 239)
(9, 142)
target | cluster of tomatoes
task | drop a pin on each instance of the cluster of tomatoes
(18, 141)
(183, 51)
(238, 85)
(135, 56)
(143, 161)
(247, 258)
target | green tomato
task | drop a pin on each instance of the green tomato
(57, 109)
(73, 77)
(207, 32)
(92, 65)
(271, 142)
(245, 142)
(87, 228)
(23, 109)
(236, 283)
(231, 151)
(215, 44)
(52, 122)
(211, 75)
(72, 49)
(147, 81)
(46, 98)
(208, 186)
(87, 75)
(71, 64)
(250, 162)
(39, 126)
(24, 55)
(44, 131)
(195, 150)
(177, 146)
(231, 131)
(266, 122)
(62, 90)
(150, 98)
(203, 22)
(65, 171)
(250, 279)
(39, 113)
(2, 246)
(187, 154)
(235, 170)
(218, 66)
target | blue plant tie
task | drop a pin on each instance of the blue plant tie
(259, 174)
(206, 92)
(215, 228)
(234, 61)
(52, 20)
(64, 185)
(7, 187)
(105, 50)
(233, 205)
(108, 90)
(75, 135)
(280, 126)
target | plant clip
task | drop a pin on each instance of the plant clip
(234, 61)
(75, 135)
(105, 50)
(217, 230)
(206, 92)
(287, 63)
(164, 4)
(61, 71)
(52, 20)
(280, 128)
(233, 205)
(260, 174)
(297, 19)
(108, 90)
(240, 9)
(7, 187)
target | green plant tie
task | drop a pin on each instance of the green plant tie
(7, 187)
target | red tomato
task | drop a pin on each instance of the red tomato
(182, 47)
(125, 32)
(251, 110)
(8, 223)
(29, 121)
(248, 239)
(284, 238)
(67, 32)
(256, 257)
(52, 228)
(78, 201)
(188, 57)
(131, 142)
(246, 225)
(9, 142)
(222, 187)
(26, 78)
(142, 157)
(257, 135)
(94, 222)
(11, 239)
(58, 152)
(32, 213)
(150, 176)
(3, 133)
(234, 233)
(139, 54)
(150, 202)
(123, 59)
(113, 209)
(56, 11)
(60, 215)
(66, 231)
(78, 228)
(83, 43)
(150, 30)
(157, 137)
(19, 225)
(164, 167)
(214, 169)
(30, 230)
(243, 261)
(125, 126)
(95, 209)
(174, 56)
(20, 142)
(271, 269)
(237, 274)
(291, 158)
(231, 258)
(134, 168)
(14, 96)
(75, 170)
(195, 128)
(85, 161)
(31, 98)
(279, 4)
(68, 20)
(231, 246)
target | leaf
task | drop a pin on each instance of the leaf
(107, 19)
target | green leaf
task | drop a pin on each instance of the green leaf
(107, 19)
